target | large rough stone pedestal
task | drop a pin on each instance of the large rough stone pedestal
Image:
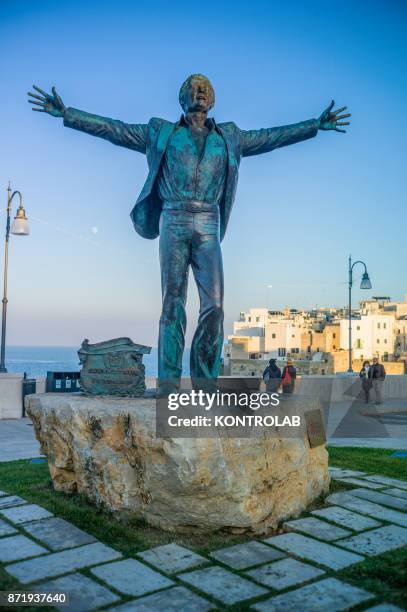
(106, 448)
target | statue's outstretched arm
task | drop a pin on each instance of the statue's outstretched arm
(254, 142)
(132, 136)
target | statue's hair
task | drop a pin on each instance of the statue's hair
(185, 85)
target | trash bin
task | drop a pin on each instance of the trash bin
(29, 387)
(62, 382)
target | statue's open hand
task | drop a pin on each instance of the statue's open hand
(47, 103)
(329, 120)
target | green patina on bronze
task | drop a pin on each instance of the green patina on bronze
(113, 367)
(187, 200)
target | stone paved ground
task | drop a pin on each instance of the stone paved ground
(292, 571)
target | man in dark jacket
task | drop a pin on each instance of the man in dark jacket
(187, 199)
(377, 374)
(272, 376)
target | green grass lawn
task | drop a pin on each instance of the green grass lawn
(385, 575)
(370, 460)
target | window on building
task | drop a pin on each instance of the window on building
(358, 343)
(257, 319)
(334, 335)
(273, 335)
(378, 341)
(358, 327)
(334, 346)
(384, 325)
(253, 356)
(281, 352)
(292, 335)
(385, 341)
(378, 326)
(249, 319)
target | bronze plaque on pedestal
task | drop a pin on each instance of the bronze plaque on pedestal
(113, 367)
(315, 427)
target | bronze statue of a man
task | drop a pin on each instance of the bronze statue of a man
(186, 200)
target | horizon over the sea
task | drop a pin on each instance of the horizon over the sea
(38, 360)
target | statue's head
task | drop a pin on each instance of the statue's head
(196, 94)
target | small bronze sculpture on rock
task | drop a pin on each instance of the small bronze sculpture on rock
(113, 367)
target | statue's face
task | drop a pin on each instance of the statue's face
(199, 96)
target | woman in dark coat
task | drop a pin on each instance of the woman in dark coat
(288, 377)
(366, 381)
(272, 376)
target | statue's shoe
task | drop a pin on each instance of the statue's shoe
(165, 389)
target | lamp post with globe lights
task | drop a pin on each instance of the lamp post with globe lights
(19, 227)
(364, 284)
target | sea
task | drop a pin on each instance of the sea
(36, 361)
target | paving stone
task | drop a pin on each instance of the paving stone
(390, 482)
(245, 555)
(223, 585)
(63, 562)
(339, 473)
(318, 529)
(381, 498)
(58, 534)
(329, 594)
(346, 518)
(11, 500)
(176, 599)
(361, 483)
(172, 558)
(319, 552)
(384, 607)
(25, 514)
(131, 577)
(83, 593)
(285, 573)
(376, 541)
(6, 529)
(366, 507)
(396, 492)
(18, 547)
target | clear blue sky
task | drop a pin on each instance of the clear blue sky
(298, 212)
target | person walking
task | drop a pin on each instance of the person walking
(366, 381)
(288, 377)
(272, 376)
(377, 374)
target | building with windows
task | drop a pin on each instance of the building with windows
(264, 334)
(325, 340)
(372, 336)
(317, 339)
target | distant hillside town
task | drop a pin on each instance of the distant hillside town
(317, 339)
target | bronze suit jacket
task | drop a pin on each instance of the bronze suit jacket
(151, 139)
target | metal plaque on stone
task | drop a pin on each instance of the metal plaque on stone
(315, 427)
(113, 367)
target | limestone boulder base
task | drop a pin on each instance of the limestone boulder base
(106, 449)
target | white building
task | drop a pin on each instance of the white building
(263, 334)
(373, 335)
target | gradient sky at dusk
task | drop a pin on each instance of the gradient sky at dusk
(299, 211)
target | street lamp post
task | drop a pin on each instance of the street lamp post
(19, 227)
(364, 284)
